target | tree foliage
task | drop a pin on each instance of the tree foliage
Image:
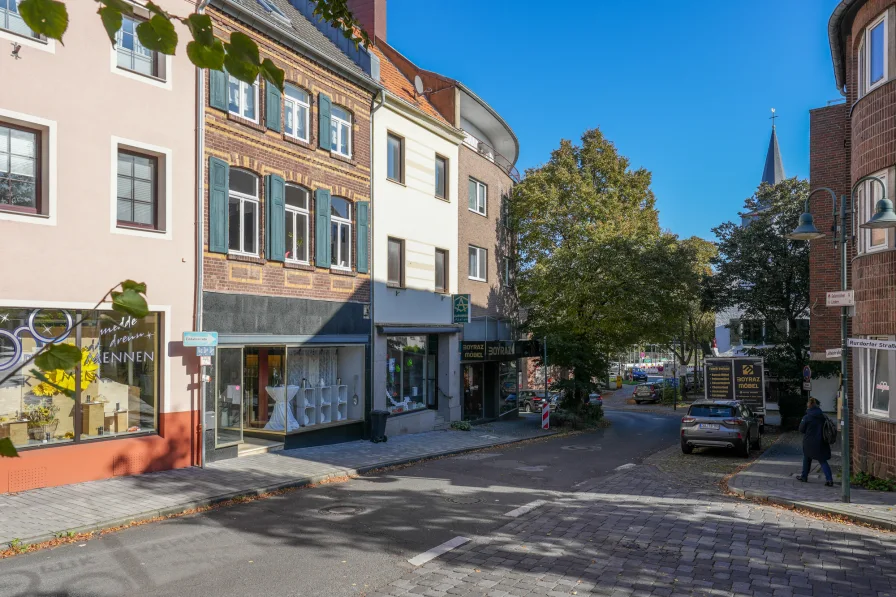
(584, 220)
(765, 275)
(239, 55)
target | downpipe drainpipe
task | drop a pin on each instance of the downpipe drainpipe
(370, 212)
(200, 218)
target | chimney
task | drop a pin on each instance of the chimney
(372, 16)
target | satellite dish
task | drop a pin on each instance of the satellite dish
(418, 84)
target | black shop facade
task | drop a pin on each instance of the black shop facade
(490, 377)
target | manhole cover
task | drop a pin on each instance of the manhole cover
(463, 499)
(341, 510)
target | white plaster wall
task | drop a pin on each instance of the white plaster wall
(411, 212)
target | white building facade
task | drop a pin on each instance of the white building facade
(415, 261)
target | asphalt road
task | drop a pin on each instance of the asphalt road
(342, 539)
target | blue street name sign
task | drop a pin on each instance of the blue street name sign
(200, 338)
(205, 351)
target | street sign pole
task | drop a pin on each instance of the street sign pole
(844, 372)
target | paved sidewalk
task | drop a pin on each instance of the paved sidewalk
(36, 515)
(773, 478)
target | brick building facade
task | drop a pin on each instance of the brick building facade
(852, 141)
(286, 236)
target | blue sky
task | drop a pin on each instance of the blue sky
(683, 89)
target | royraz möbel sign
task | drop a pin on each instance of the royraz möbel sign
(873, 344)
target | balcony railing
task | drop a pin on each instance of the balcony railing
(489, 152)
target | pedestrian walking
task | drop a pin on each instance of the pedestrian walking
(815, 447)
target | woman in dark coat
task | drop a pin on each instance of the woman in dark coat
(814, 446)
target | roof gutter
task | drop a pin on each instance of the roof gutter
(295, 42)
(835, 25)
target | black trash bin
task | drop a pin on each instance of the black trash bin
(378, 425)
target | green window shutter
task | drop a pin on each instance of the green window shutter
(218, 191)
(363, 208)
(323, 107)
(322, 228)
(217, 89)
(275, 217)
(473, 200)
(272, 107)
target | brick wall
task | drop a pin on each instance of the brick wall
(875, 285)
(874, 446)
(250, 146)
(828, 167)
(490, 297)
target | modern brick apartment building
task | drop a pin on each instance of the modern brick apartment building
(286, 235)
(850, 141)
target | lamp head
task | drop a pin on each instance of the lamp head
(806, 229)
(884, 216)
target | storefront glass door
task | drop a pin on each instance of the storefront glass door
(229, 397)
(474, 387)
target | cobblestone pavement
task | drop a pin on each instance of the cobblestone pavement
(774, 477)
(37, 515)
(648, 531)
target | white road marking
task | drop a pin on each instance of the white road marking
(435, 552)
(625, 466)
(524, 509)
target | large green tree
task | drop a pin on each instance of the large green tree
(765, 275)
(583, 221)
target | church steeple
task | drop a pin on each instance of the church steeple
(774, 167)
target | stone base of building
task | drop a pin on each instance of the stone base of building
(874, 446)
(173, 447)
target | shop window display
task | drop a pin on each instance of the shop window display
(508, 372)
(410, 374)
(118, 389)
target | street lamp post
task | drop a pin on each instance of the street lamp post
(884, 217)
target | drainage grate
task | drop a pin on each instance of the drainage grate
(463, 499)
(341, 510)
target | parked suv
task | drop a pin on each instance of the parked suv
(530, 400)
(646, 392)
(720, 424)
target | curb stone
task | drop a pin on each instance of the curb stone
(296, 483)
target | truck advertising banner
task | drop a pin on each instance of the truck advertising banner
(736, 378)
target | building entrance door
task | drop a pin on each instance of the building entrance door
(229, 397)
(474, 388)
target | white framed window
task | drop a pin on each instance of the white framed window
(130, 53)
(394, 157)
(478, 196)
(20, 169)
(340, 233)
(242, 98)
(12, 21)
(867, 196)
(137, 193)
(478, 263)
(876, 370)
(442, 266)
(243, 213)
(340, 131)
(873, 61)
(395, 263)
(297, 223)
(296, 111)
(441, 177)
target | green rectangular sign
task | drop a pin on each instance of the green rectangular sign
(461, 307)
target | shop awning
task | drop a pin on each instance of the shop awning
(295, 339)
(403, 330)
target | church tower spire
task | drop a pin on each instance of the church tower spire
(773, 173)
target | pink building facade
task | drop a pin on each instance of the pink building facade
(98, 160)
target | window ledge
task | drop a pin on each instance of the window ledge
(297, 141)
(398, 182)
(445, 199)
(341, 157)
(246, 258)
(245, 122)
(339, 271)
(12, 209)
(478, 213)
(298, 265)
(477, 279)
(877, 417)
(149, 229)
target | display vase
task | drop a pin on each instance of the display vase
(43, 433)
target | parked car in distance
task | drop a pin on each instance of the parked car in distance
(720, 424)
(646, 392)
(531, 400)
(639, 375)
(595, 399)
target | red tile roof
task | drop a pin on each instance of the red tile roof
(399, 85)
